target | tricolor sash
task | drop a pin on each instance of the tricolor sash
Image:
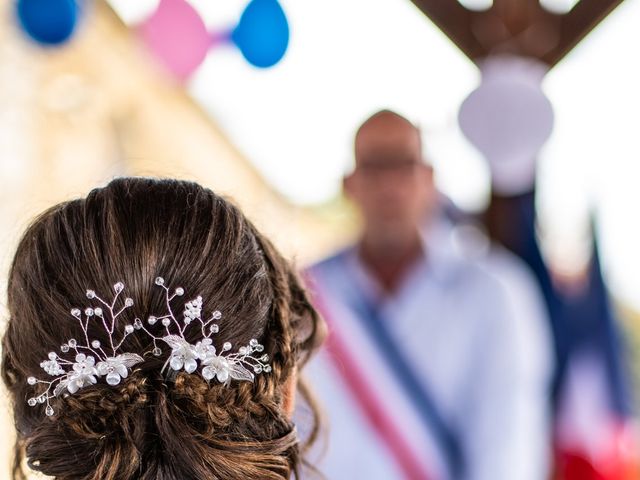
(332, 283)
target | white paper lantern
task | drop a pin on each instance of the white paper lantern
(509, 118)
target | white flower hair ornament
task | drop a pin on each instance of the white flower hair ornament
(224, 365)
(93, 361)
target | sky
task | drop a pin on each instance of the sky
(349, 58)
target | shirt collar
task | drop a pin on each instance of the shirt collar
(437, 262)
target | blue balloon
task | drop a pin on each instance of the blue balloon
(50, 22)
(262, 35)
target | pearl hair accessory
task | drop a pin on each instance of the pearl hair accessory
(223, 366)
(91, 360)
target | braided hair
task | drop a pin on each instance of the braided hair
(151, 426)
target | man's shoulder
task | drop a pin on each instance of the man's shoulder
(503, 270)
(333, 262)
(466, 270)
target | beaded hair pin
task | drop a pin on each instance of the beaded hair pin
(93, 361)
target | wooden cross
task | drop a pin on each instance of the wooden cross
(521, 27)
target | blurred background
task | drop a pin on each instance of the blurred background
(261, 102)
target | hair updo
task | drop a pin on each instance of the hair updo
(150, 427)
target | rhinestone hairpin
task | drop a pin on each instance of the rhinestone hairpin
(223, 366)
(92, 362)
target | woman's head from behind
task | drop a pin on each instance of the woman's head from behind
(158, 422)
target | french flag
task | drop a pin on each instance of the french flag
(595, 432)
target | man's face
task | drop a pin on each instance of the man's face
(391, 185)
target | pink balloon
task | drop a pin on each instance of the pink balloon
(177, 36)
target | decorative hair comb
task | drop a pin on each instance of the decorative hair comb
(92, 361)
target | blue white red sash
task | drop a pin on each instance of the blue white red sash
(398, 406)
(380, 420)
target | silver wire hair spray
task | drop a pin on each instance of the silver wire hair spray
(84, 362)
(224, 365)
(91, 361)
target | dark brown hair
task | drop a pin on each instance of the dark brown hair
(149, 427)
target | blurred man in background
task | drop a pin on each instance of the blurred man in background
(435, 367)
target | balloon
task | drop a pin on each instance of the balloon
(509, 118)
(49, 22)
(178, 37)
(262, 35)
